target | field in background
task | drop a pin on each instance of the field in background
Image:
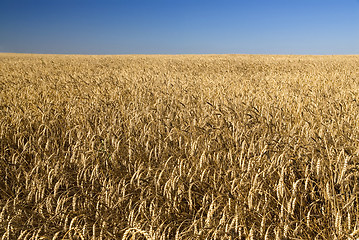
(179, 147)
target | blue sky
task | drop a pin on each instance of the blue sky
(180, 26)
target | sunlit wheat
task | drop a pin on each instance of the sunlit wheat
(179, 147)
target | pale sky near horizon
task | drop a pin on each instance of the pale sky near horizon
(180, 27)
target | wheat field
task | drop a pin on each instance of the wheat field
(179, 147)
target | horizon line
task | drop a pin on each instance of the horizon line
(174, 54)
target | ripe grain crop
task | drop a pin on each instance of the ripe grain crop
(179, 147)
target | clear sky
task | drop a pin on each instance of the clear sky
(180, 26)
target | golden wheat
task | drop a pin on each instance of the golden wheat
(179, 147)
